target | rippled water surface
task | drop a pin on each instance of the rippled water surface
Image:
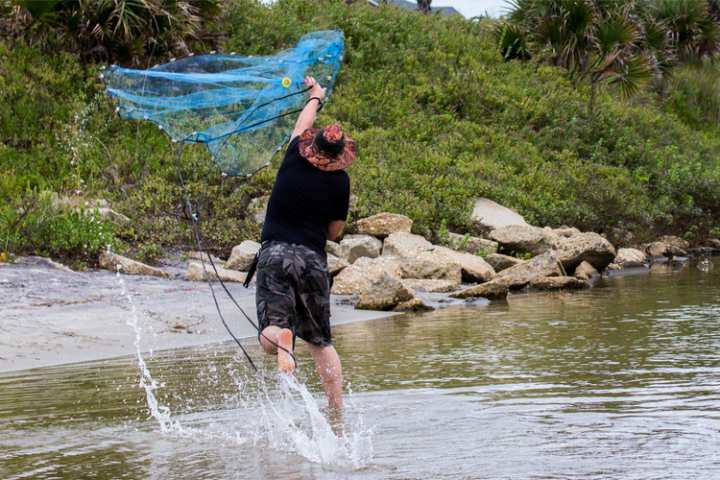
(618, 382)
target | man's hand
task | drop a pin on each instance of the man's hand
(307, 116)
(316, 90)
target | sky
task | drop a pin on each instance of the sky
(472, 8)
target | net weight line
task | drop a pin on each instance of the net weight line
(194, 217)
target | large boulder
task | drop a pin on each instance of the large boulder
(557, 283)
(358, 277)
(242, 256)
(668, 246)
(502, 262)
(544, 265)
(713, 243)
(488, 216)
(525, 239)
(113, 262)
(383, 224)
(473, 267)
(657, 249)
(431, 264)
(630, 258)
(336, 264)
(589, 247)
(405, 245)
(470, 244)
(430, 285)
(196, 273)
(384, 293)
(587, 273)
(491, 290)
(357, 246)
(676, 242)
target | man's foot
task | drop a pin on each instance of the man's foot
(286, 363)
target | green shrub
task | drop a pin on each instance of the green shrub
(30, 223)
(440, 118)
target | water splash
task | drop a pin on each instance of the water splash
(291, 421)
(159, 412)
(285, 414)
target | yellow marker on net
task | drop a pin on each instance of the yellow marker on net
(286, 82)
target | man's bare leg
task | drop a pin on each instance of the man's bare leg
(327, 364)
(272, 336)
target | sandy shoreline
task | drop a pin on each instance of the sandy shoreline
(52, 317)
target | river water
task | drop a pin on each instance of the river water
(618, 382)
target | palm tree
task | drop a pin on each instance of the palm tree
(598, 41)
(692, 25)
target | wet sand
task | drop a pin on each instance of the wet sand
(51, 316)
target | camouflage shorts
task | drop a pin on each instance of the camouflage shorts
(293, 291)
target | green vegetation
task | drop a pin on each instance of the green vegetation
(440, 116)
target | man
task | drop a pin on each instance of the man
(308, 206)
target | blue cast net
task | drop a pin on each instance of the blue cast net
(242, 107)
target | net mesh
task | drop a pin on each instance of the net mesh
(242, 107)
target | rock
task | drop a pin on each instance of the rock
(676, 242)
(473, 267)
(357, 246)
(384, 293)
(544, 265)
(405, 245)
(713, 243)
(257, 209)
(35, 261)
(675, 251)
(630, 257)
(430, 285)
(525, 239)
(242, 256)
(113, 261)
(502, 262)
(335, 264)
(590, 247)
(668, 246)
(194, 255)
(383, 224)
(490, 290)
(566, 232)
(415, 304)
(470, 244)
(587, 273)
(358, 277)
(196, 273)
(431, 265)
(335, 249)
(488, 216)
(557, 283)
(657, 249)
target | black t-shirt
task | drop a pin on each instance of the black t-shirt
(304, 201)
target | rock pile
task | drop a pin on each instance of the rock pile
(385, 266)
